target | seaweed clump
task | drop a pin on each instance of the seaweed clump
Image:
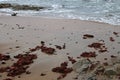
(63, 70)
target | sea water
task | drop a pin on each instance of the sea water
(107, 11)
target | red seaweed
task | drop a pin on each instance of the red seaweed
(20, 66)
(63, 69)
(88, 54)
(47, 50)
(87, 36)
(112, 39)
(116, 33)
(58, 47)
(98, 46)
(4, 57)
(71, 59)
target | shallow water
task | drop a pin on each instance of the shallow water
(107, 11)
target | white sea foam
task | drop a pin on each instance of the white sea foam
(107, 11)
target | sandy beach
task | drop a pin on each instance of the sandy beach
(19, 34)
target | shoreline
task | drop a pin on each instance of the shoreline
(53, 17)
(28, 32)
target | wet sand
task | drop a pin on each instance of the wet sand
(28, 32)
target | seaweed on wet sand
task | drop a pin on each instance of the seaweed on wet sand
(15, 71)
(4, 57)
(47, 50)
(58, 47)
(35, 49)
(61, 47)
(98, 46)
(22, 64)
(19, 67)
(88, 54)
(71, 60)
(26, 56)
(63, 70)
(86, 36)
(24, 59)
(43, 48)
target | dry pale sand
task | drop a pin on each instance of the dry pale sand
(28, 32)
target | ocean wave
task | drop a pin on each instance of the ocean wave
(107, 11)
